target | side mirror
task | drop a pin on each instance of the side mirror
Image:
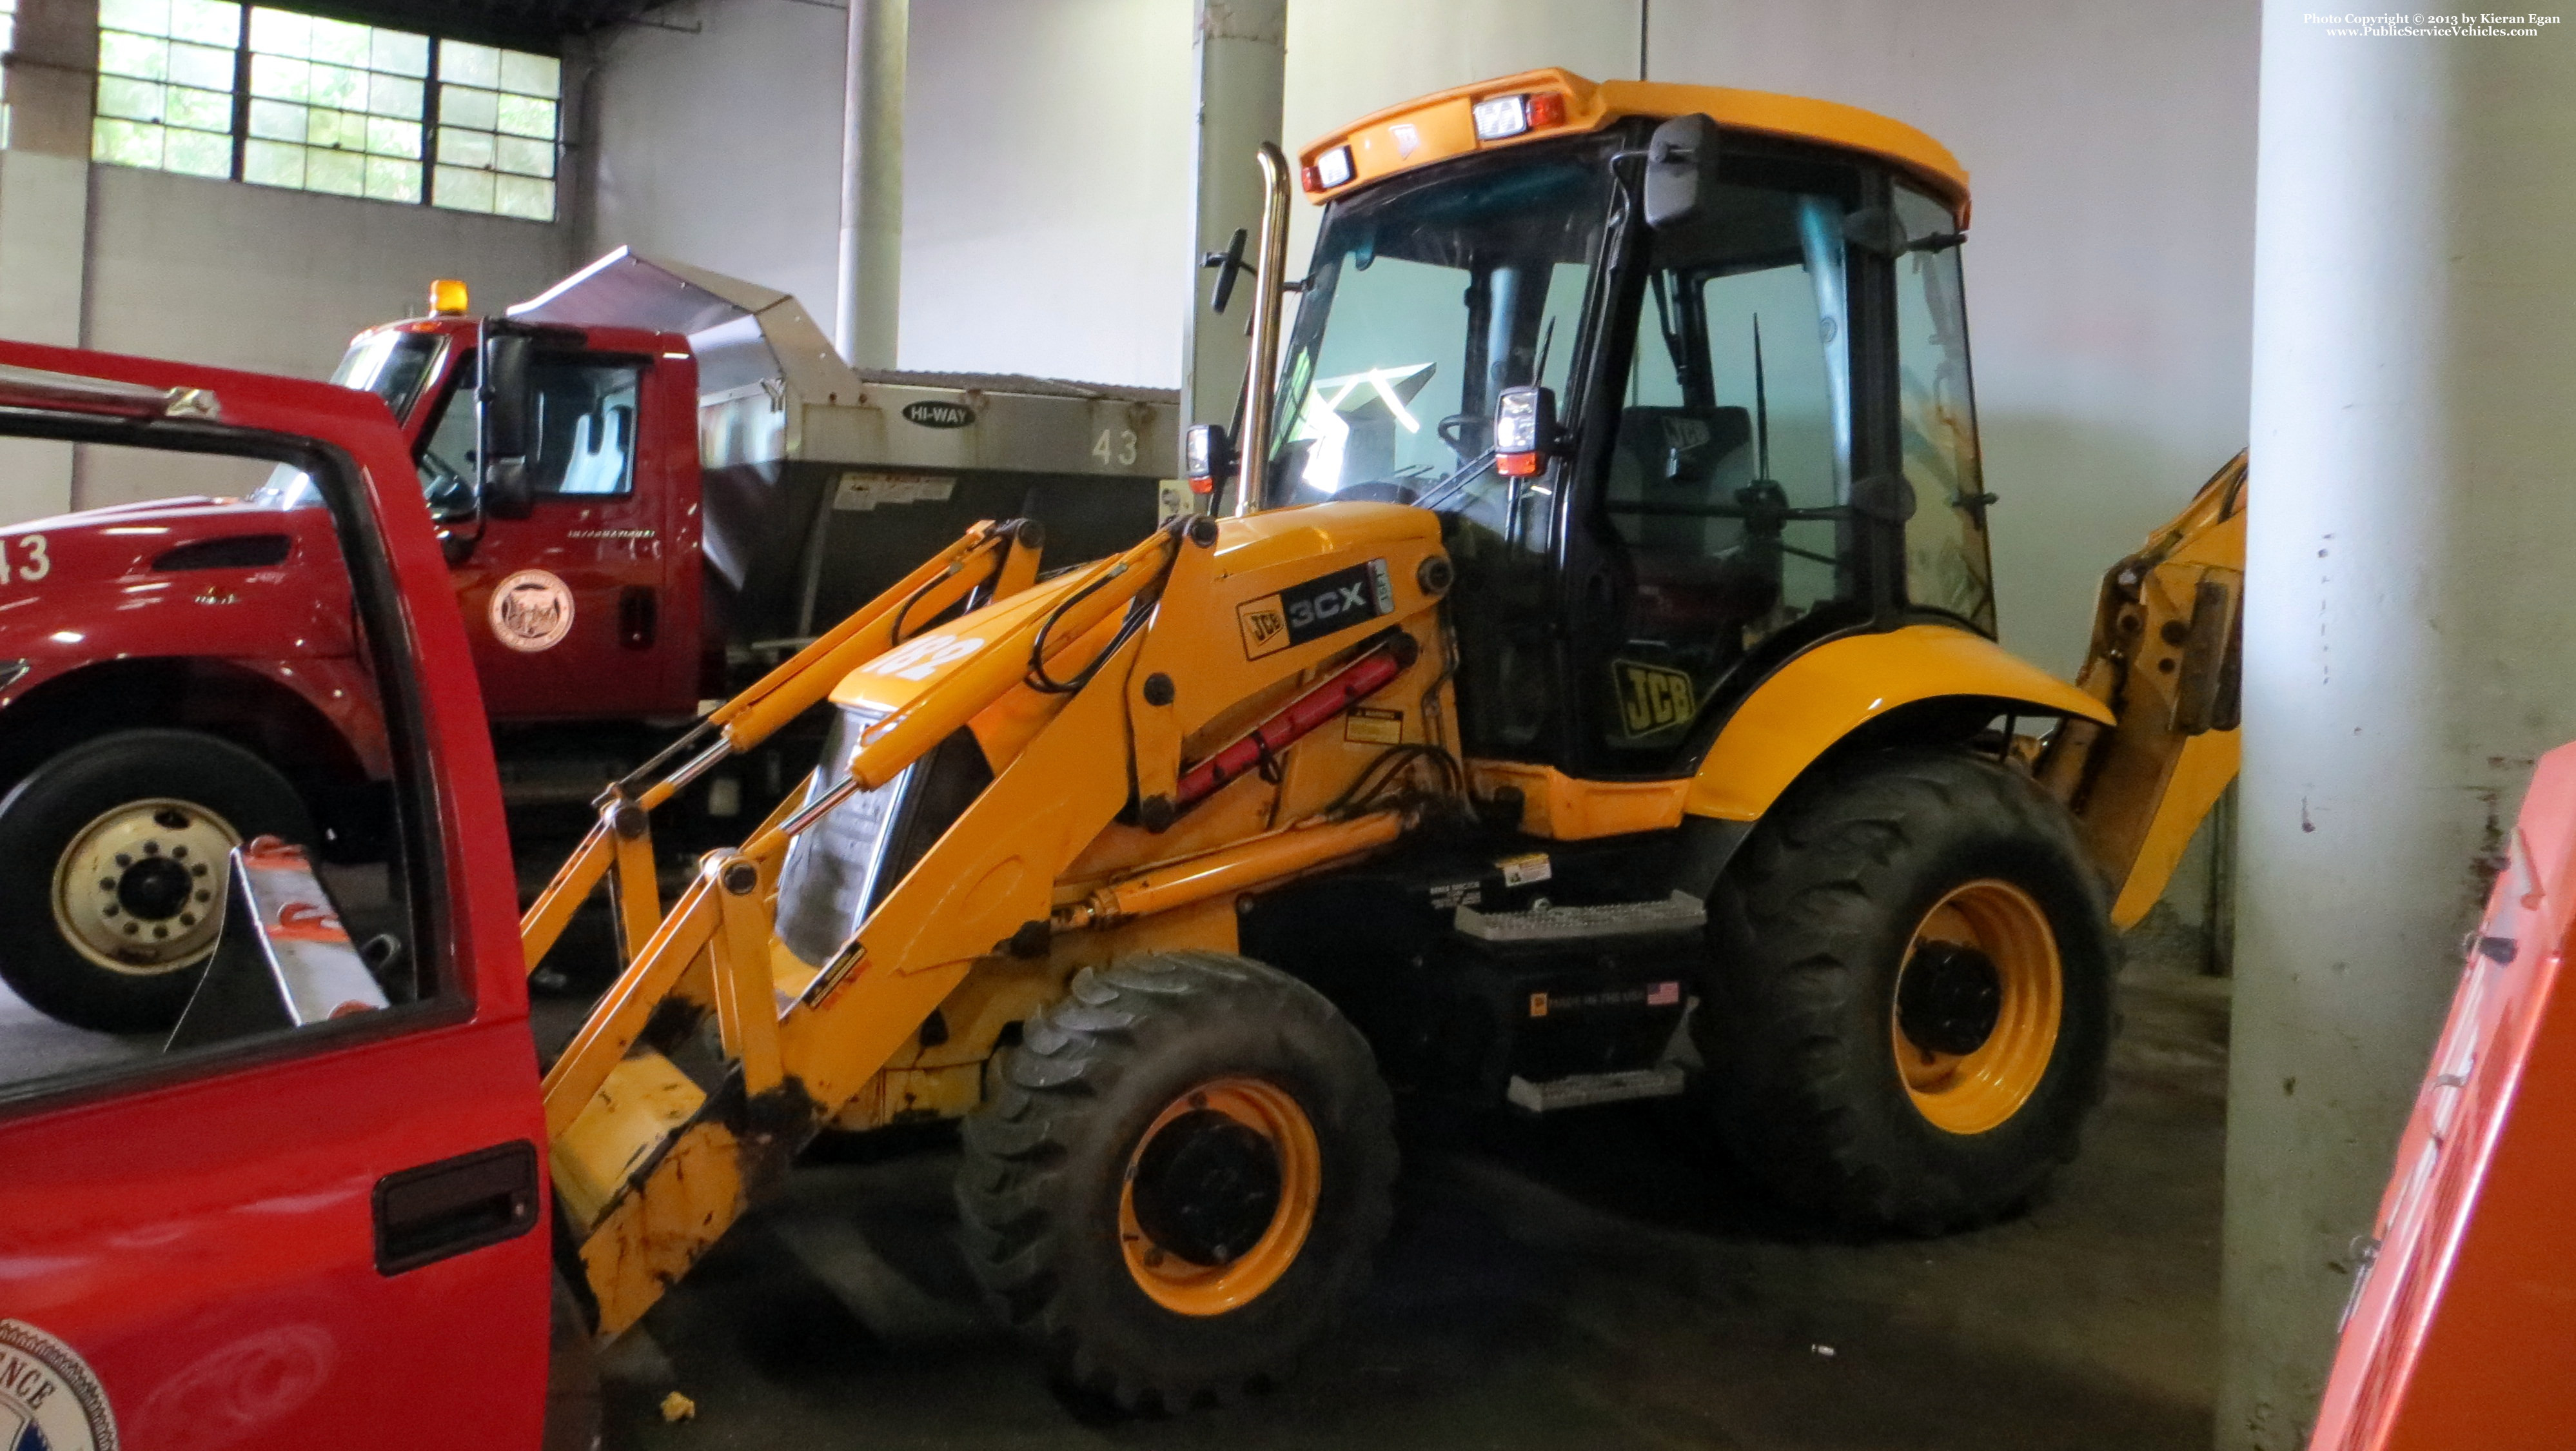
(1524, 430)
(503, 426)
(1207, 457)
(1681, 169)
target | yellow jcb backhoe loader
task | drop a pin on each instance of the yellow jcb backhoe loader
(1597, 640)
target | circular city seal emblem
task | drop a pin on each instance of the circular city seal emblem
(531, 611)
(49, 1400)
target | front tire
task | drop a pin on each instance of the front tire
(1183, 1179)
(112, 862)
(1908, 1009)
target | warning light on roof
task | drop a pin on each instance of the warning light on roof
(1502, 117)
(447, 298)
(1331, 169)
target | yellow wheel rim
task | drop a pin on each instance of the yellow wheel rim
(1219, 1196)
(1976, 1006)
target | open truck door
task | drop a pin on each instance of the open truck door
(311, 1215)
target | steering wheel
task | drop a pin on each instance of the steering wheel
(444, 485)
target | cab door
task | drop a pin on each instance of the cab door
(304, 1225)
(571, 610)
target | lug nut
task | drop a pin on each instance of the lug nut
(187, 919)
(124, 860)
(151, 848)
(198, 870)
(108, 911)
(178, 852)
(160, 931)
(107, 884)
(131, 929)
(205, 896)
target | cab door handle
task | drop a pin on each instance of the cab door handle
(638, 609)
(428, 1213)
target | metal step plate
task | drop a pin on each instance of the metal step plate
(1582, 1090)
(1680, 912)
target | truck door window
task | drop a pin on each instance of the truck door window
(1946, 564)
(585, 416)
(124, 841)
(447, 457)
(1735, 414)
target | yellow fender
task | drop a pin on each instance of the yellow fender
(1834, 689)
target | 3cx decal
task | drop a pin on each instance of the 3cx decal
(49, 1399)
(1317, 608)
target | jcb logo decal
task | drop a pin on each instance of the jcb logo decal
(916, 659)
(1317, 608)
(1653, 698)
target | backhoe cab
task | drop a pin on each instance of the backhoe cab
(1591, 684)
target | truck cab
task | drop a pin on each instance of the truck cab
(648, 483)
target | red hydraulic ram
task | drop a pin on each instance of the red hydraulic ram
(1356, 682)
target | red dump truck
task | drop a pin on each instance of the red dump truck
(648, 483)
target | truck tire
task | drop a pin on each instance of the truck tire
(1182, 1179)
(112, 860)
(1908, 1006)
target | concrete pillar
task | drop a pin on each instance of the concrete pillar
(2409, 646)
(1241, 50)
(44, 220)
(871, 257)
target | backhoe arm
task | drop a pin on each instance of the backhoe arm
(2167, 641)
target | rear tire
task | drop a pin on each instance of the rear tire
(1908, 1009)
(125, 832)
(1182, 1180)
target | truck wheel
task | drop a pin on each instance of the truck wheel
(1909, 1005)
(112, 857)
(1182, 1179)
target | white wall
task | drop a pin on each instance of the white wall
(722, 147)
(1046, 168)
(2110, 272)
(273, 281)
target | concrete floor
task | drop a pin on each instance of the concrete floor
(1586, 1282)
(1583, 1283)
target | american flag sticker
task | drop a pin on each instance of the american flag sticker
(1663, 994)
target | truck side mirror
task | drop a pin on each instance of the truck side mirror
(1207, 457)
(501, 408)
(1681, 169)
(1524, 430)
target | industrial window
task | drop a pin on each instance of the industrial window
(277, 97)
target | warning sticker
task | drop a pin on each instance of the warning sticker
(1319, 607)
(866, 491)
(1538, 1005)
(1520, 871)
(1371, 726)
(1457, 894)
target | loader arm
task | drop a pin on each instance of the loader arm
(2165, 657)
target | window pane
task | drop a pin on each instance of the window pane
(207, 22)
(471, 191)
(519, 196)
(133, 55)
(393, 138)
(339, 42)
(531, 75)
(393, 96)
(198, 153)
(340, 172)
(125, 143)
(337, 129)
(339, 86)
(473, 65)
(273, 163)
(461, 106)
(279, 78)
(134, 100)
(527, 158)
(200, 110)
(464, 148)
(400, 54)
(201, 65)
(143, 17)
(390, 180)
(277, 121)
(524, 116)
(280, 32)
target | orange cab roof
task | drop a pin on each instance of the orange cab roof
(1439, 126)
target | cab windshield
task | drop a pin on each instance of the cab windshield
(395, 366)
(1427, 299)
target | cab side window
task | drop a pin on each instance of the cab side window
(585, 419)
(196, 862)
(1733, 447)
